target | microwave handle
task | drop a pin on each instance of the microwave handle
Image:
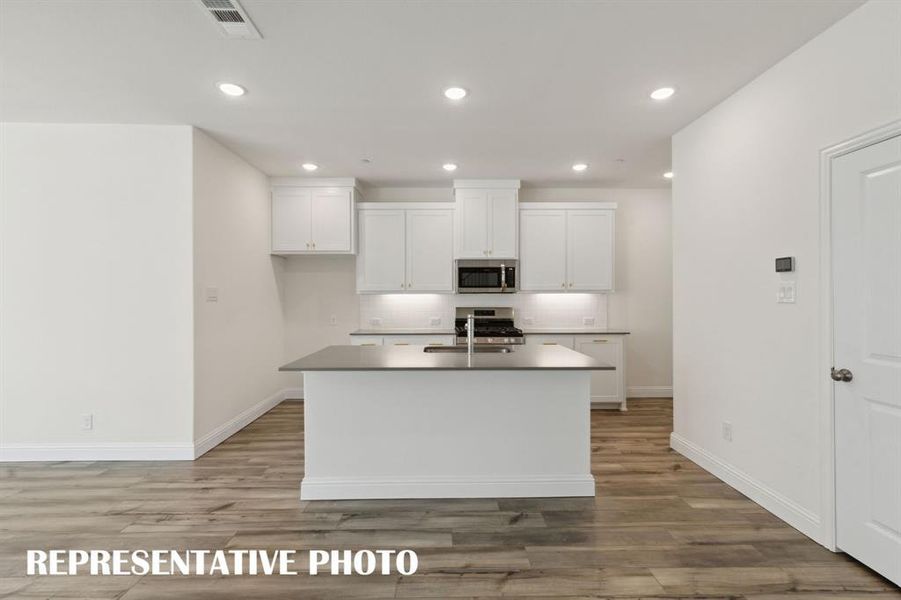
(503, 277)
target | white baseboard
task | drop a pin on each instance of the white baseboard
(649, 391)
(144, 451)
(93, 452)
(230, 428)
(293, 393)
(786, 509)
(357, 488)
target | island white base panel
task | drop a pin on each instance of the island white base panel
(446, 434)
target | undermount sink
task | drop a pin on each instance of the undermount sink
(476, 350)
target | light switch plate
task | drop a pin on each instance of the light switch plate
(434, 321)
(786, 293)
(211, 294)
(529, 321)
(588, 321)
(375, 322)
(87, 422)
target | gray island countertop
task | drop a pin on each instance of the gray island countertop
(534, 331)
(412, 358)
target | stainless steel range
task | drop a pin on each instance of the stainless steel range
(493, 325)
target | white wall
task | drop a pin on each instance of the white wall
(239, 339)
(317, 288)
(96, 290)
(745, 192)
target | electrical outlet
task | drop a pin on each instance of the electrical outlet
(434, 321)
(375, 322)
(87, 422)
(727, 431)
(333, 320)
(588, 321)
(786, 293)
(529, 321)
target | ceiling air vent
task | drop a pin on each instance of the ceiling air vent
(231, 19)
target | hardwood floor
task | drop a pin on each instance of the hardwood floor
(660, 527)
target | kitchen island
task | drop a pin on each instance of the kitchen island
(418, 422)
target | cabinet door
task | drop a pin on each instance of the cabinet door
(380, 262)
(291, 220)
(473, 224)
(430, 250)
(606, 386)
(503, 221)
(542, 264)
(589, 250)
(545, 339)
(331, 220)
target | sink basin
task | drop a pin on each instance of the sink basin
(476, 350)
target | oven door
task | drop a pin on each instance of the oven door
(485, 277)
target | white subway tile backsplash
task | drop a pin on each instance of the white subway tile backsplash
(415, 311)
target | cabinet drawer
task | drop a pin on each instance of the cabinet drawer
(549, 340)
(419, 340)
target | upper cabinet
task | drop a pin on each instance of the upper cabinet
(405, 247)
(486, 218)
(313, 216)
(567, 246)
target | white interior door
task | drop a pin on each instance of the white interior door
(430, 250)
(866, 237)
(380, 263)
(590, 250)
(331, 222)
(542, 250)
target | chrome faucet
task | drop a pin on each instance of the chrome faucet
(470, 333)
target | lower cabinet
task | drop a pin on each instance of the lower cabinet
(403, 340)
(607, 387)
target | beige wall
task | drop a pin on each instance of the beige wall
(95, 298)
(746, 191)
(238, 339)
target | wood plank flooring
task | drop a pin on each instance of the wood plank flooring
(660, 527)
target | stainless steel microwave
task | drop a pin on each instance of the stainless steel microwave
(486, 276)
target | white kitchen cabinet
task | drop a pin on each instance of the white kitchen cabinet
(430, 243)
(546, 339)
(567, 246)
(589, 250)
(607, 387)
(381, 260)
(405, 247)
(403, 340)
(485, 218)
(542, 251)
(313, 216)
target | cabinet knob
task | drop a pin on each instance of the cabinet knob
(563, 285)
(570, 285)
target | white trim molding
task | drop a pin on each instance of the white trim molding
(143, 450)
(357, 488)
(95, 452)
(825, 329)
(786, 509)
(649, 391)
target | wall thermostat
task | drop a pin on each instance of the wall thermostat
(785, 264)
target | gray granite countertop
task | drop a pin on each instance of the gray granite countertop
(403, 332)
(412, 358)
(571, 331)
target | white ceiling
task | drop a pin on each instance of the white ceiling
(551, 82)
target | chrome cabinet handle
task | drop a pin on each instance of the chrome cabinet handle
(841, 375)
(549, 343)
(600, 341)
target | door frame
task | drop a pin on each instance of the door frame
(829, 517)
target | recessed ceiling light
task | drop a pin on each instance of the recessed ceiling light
(668, 174)
(449, 167)
(455, 93)
(579, 167)
(231, 89)
(309, 166)
(662, 93)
